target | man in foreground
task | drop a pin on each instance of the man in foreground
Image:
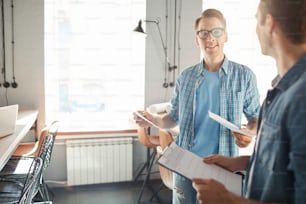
(276, 172)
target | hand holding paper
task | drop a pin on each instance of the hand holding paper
(229, 125)
(145, 119)
(192, 166)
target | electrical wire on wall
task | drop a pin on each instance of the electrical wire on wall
(176, 41)
(173, 68)
(14, 83)
(167, 65)
(166, 80)
(5, 84)
(179, 37)
(3, 44)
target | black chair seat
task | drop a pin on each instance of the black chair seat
(17, 168)
(21, 190)
(10, 191)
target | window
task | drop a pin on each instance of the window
(94, 64)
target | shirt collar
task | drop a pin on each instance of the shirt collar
(224, 66)
(291, 76)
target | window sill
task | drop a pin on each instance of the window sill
(96, 134)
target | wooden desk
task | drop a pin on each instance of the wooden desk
(25, 121)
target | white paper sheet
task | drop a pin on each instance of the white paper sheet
(229, 125)
(192, 166)
(145, 119)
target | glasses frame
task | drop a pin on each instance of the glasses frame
(207, 32)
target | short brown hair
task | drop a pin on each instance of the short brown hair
(290, 15)
(210, 13)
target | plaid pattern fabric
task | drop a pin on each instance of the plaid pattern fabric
(238, 95)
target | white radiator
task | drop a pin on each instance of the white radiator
(105, 160)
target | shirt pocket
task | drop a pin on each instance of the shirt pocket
(235, 106)
(269, 145)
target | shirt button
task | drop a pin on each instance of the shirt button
(268, 102)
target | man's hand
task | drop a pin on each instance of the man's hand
(229, 163)
(141, 122)
(242, 140)
(223, 161)
(210, 191)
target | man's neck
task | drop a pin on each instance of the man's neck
(213, 63)
(288, 57)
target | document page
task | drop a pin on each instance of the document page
(192, 166)
(145, 119)
(228, 124)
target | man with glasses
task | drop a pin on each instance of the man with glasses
(218, 85)
(276, 171)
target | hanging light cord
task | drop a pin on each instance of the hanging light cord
(13, 40)
(3, 42)
(14, 83)
(174, 47)
(179, 37)
(167, 62)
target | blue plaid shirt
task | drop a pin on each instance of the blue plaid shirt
(238, 94)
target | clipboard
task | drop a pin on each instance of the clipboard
(190, 165)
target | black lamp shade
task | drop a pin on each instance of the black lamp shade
(139, 28)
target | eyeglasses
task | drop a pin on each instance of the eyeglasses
(216, 32)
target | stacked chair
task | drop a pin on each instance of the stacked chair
(18, 191)
(24, 156)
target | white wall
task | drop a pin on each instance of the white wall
(187, 53)
(29, 56)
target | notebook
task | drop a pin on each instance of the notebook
(8, 117)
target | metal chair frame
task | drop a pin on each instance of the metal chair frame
(45, 153)
(27, 188)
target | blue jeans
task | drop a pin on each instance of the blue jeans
(183, 192)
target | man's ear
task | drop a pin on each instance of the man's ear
(197, 41)
(270, 23)
(225, 37)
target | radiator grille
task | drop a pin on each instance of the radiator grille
(94, 161)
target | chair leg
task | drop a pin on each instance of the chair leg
(146, 180)
(43, 191)
(145, 165)
(160, 188)
(47, 191)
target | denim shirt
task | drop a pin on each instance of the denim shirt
(277, 169)
(238, 94)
